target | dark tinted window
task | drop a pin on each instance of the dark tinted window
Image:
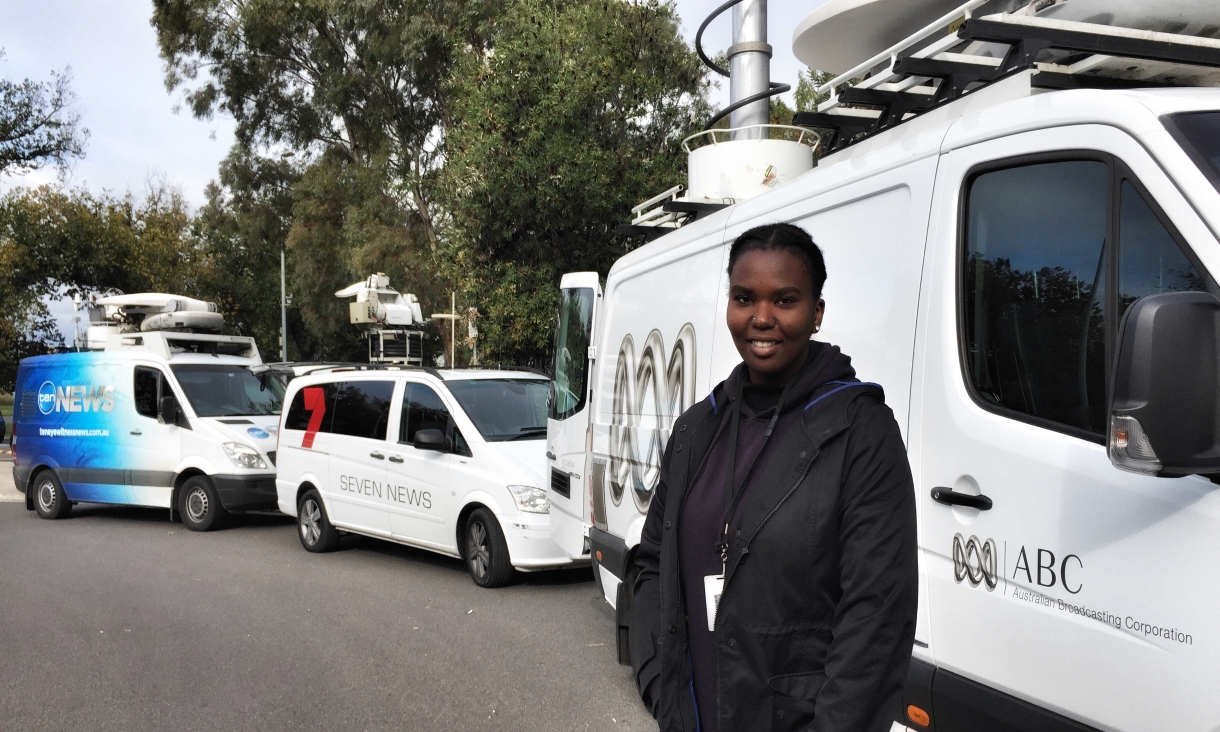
(311, 407)
(229, 391)
(422, 409)
(504, 409)
(149, 387)
(362, 408)
(572, 351)
(1150, 261)
(1034, 290)
(1199, 135)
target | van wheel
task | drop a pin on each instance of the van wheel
(313, 527)
(486, 552)
(50, 501)
(199, 506)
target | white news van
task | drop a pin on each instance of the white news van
(148, 417)
(1030, 271)
(445, 460)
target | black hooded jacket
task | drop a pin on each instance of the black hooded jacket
(817, 615)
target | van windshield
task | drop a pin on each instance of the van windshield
(504, 409)
(1199, 135)
(229, 391)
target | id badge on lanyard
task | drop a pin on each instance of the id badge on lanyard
(713, 586)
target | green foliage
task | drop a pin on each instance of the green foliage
(55, 241)
(575, 117)
(36, 125)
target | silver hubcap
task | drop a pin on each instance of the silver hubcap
(311, 522)
(478, 553)
(197, 504)
(46, 496)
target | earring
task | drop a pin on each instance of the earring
(816, 328)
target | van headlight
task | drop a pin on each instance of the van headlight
(244, 456)
(530, 499)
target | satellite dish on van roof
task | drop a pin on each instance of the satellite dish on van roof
(843, 33)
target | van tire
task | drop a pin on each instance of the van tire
(199, 505)
(50, 501)
(314, 529)
(485, 551)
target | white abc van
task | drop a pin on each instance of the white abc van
(1030, 271)
(184, 421)
(451, 461)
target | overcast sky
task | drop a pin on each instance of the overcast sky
(135, 134)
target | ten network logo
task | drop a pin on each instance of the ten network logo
(75, 398)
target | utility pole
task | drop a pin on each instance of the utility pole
(452, 317)
(283, 311)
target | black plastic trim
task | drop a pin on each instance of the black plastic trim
(962, 705)
(246, 492)
(613, 549)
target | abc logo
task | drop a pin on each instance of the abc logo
(46, 397)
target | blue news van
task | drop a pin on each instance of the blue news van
(184, 421)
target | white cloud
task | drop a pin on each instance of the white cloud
(118, 79)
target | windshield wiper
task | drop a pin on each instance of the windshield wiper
(526, 432)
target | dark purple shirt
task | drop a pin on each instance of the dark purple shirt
(702, 519)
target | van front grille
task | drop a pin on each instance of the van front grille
(561, 483)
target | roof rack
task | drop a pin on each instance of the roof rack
(905, 84)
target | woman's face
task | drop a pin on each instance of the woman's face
(772, 312)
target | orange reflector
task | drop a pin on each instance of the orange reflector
(918, 716)
(599, 555)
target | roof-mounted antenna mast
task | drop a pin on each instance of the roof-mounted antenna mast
(749, 69)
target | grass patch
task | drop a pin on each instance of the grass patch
(6, 405)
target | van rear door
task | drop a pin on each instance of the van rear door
(1053, 577)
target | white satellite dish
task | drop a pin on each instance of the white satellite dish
(844, 33)
(1188, 17)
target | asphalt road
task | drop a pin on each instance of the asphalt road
(116, 619)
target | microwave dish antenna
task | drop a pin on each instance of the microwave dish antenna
(113, 312)
(392, 321)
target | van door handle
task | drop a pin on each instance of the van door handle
(395, 459)
(953, 498)
(136, 432)
(550, 455)
(377, 455)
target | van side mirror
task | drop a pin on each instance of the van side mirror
(167, 410)
(1165, 397)
(431, 439)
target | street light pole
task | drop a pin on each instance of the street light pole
(283, 311)
(452, 317)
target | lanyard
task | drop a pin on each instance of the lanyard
(732, 494)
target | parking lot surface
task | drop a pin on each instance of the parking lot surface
(117, 619)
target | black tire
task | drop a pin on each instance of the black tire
(199, 505)
(485, 551)
(50, 501)
(624, 613)
(314, 529)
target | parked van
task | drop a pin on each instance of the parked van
(184, 421)
(451, 461)
(1030, 272)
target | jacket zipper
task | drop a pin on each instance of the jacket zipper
(746, 550)
(681, 602)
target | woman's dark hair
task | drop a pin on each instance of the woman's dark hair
(789, 238)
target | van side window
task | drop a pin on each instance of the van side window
(362, 408)
(149, 387)
(1040, 309)
(311, 406)
(1150, 261)
(422, 409)
(1034, 290)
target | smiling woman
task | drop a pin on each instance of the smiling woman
(818, 625)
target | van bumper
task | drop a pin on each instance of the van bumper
(246, 492)
(21, 476)
(530, 545)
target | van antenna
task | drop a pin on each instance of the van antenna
(749, 71)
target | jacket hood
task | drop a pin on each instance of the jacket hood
(826, 363)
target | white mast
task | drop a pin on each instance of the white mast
(749, 67)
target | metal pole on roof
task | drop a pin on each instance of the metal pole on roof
(749, 67)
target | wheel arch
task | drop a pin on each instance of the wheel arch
(460, 527)
(179, 480)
